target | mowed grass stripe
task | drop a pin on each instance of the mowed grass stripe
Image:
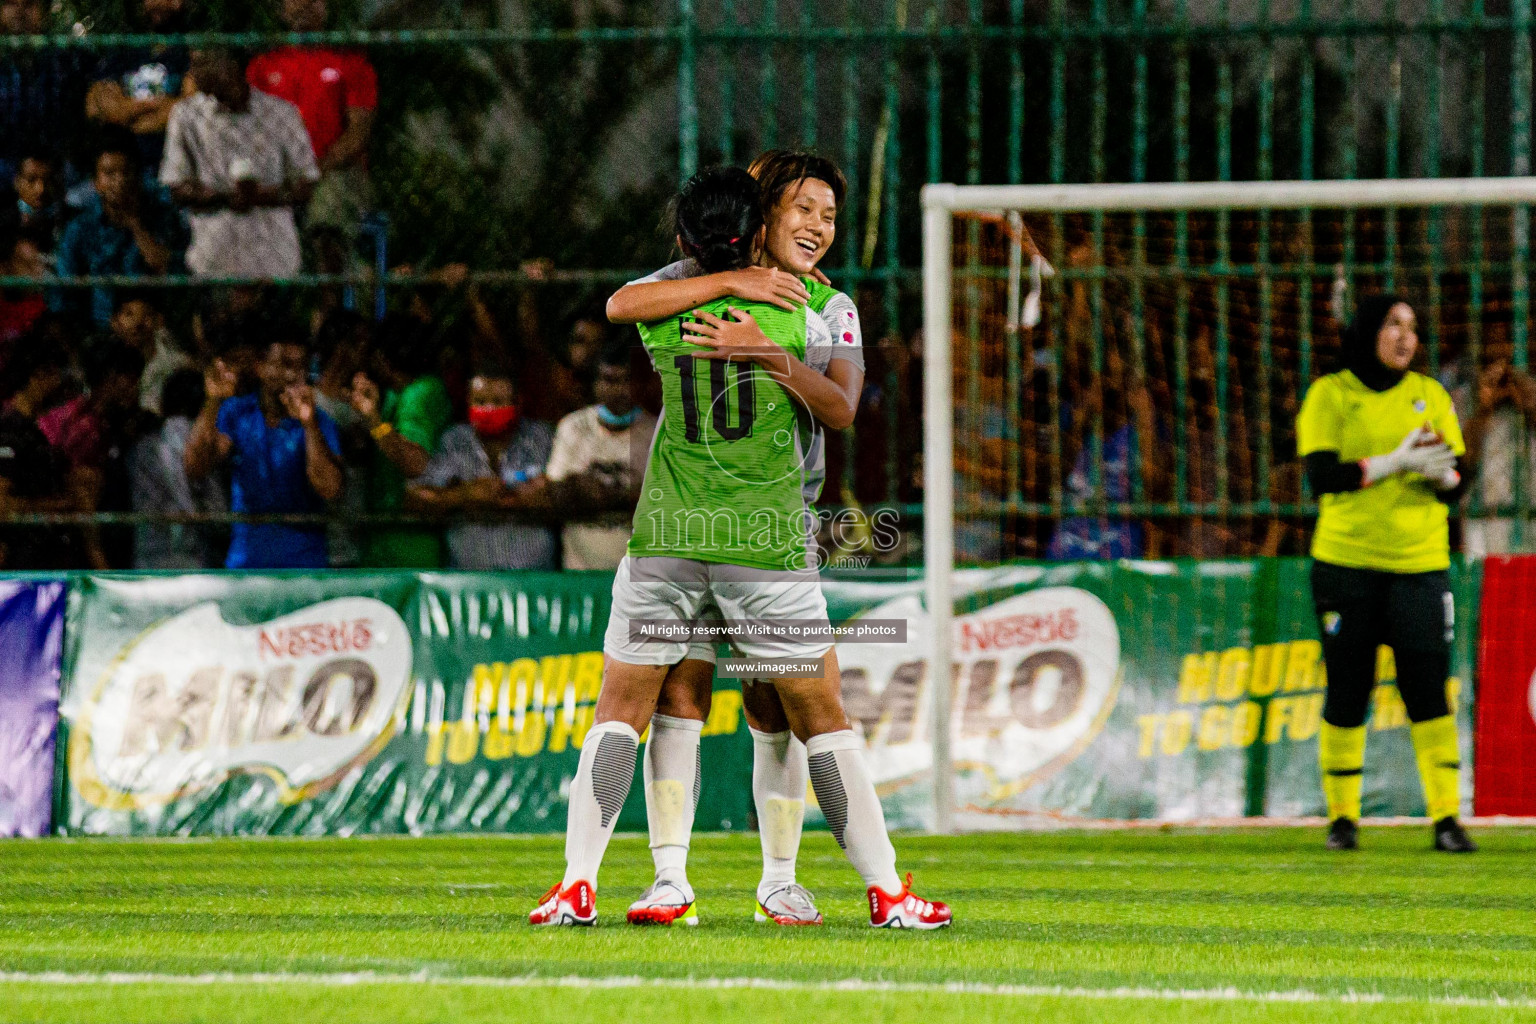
(1337, 985)
(415, 1004)
(484, 922)
(696, 983)
(1261, 910)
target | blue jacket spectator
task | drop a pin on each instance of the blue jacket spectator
(124, 230)
(284, 457)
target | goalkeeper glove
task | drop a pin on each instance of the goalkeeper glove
(1432, 460)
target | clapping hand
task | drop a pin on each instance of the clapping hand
(299, 401)
(219, 382)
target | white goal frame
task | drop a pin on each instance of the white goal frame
(940, 204)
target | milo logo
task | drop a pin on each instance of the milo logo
(302, 699)
(1035, 677)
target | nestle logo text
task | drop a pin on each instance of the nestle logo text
(1019, 630)
(314, 639)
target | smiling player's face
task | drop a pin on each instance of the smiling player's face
(801, 226)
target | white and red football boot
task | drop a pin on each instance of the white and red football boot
(904, 910)
(575, 905)
(788, 905)
(665, 903)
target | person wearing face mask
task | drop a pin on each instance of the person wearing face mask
(596, 455)
(488, 475)
(1383, 452)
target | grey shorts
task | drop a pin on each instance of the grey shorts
(684, 590)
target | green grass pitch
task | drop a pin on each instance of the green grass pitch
(1135, 926)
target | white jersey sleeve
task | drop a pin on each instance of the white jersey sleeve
(845, 338)
(679, 271)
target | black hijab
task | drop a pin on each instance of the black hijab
(1359, 354)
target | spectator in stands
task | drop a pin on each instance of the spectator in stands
(136, 88)
(1504, 418)
(94, 433)
(343, 343)
(336, 92)
(596, 464)
(138, 323)
(240, 161)
(123, 231)
(564, 370)
(30, 477)
(41, 90)
(284, 456)
(33, 204)
(231, 326)
(22, 254)
(488, 469)
(158, 475)
(404, 407)
(1128, 445)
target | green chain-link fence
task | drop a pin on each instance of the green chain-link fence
(545, 130)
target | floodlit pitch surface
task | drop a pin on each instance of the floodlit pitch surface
(1145, 926)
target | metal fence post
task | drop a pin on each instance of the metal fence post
(687, 92)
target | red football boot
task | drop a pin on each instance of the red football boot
(576, 905)
(904, 910)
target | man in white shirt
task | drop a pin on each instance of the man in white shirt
(240, 161)
(605, 444)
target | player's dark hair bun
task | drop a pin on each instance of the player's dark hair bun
(717, 215)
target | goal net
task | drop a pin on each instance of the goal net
(1114, 371)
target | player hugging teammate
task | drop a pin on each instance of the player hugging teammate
(724, 523)
(1381, 445)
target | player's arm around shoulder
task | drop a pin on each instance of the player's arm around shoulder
(680, 287)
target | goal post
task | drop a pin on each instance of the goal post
(1393, 212)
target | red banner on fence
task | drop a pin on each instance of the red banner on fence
(1506, 689)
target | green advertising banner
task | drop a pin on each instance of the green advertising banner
(1129, 690)
(345, 704)
(354, 703)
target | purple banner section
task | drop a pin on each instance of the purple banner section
(31, 646)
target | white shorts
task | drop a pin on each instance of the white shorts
(685, 590)
(705, 650)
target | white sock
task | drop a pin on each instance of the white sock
(671, 793)
(847, 797)
(602, 782)
(779, 778)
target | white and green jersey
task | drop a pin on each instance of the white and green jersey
(726, 477)
(842, 339)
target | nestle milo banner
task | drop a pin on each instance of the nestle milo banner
(423, 703)
(347, 703)
(1126, 690)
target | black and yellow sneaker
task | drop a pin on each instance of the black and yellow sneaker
(1343, 834)
(1450, 837)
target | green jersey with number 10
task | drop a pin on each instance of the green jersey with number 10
(727, 465)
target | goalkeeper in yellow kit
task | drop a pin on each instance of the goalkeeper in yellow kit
(1382, 445)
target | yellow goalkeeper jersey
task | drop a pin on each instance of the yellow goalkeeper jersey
(1396, 524)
